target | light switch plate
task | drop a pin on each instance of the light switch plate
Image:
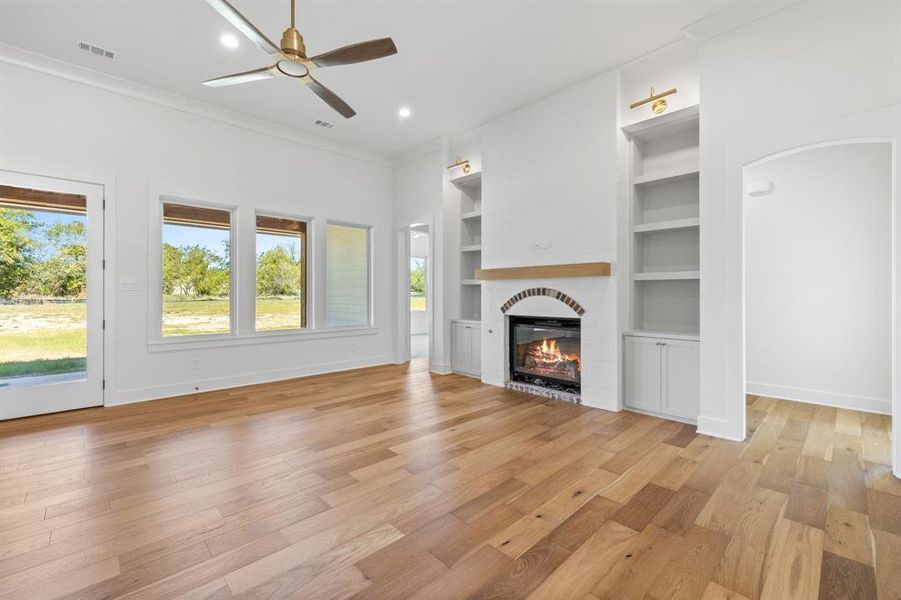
(131, 285)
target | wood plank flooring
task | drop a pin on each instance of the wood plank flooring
(391, 482)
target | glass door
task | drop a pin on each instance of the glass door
(51, 295)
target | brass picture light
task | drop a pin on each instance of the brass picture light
(461, 163)
(658, 102)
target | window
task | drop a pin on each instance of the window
(281, 280)
(196, 270)
(347, 275)
(417, 283)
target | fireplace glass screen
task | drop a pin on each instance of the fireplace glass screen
(546, 352)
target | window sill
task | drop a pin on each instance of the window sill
(263, 337)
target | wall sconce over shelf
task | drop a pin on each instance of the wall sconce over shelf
(658, 102)
(461, 164)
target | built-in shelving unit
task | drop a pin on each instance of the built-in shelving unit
(665, 223)
(661, 348)
(470, 186)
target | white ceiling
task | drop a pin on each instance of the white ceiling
(458, 64)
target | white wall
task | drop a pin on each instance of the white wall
(417, 185)
(811, 72)
(61, 128)
(550, 175)
(818, 277)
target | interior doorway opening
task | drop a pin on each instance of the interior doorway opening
(419, 293)
(818, 261)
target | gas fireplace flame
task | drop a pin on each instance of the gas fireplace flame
(548, 353)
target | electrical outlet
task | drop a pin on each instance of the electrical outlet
(542, 245)
(195, 364)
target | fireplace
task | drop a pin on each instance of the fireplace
(546, 352)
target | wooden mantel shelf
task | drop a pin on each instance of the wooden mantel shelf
(592, 269)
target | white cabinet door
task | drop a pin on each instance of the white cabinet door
(461, 347)
(681, 374)
(642, 384)
(475, 354)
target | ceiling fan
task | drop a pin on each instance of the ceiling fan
(291, 59)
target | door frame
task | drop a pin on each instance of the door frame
(402, 348)
(106, 180)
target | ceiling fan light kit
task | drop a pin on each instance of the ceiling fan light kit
(291, 58)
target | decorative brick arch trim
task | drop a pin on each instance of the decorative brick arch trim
(542, 291)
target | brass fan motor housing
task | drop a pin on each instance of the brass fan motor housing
(292, 43)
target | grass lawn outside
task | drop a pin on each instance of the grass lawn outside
(42, 339)
(209, 316)
(49, 339)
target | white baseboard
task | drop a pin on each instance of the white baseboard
(861, 403)
(119, 397)
(440, 369)
(609, 404)
(719, 428)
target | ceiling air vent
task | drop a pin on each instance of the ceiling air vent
(325, 124)
(96, 50)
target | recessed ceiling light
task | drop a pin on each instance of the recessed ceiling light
(228, 40)
(403, 112)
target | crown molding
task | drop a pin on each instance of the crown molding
(416, 152)
(32, 61)
(675, 53)
(737, 15)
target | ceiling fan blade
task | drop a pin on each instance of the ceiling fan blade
(245, 77)
(355, 53)
(330, 98)
(241, 23)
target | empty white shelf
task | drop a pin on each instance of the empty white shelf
(471, 282)
(475, 248)
(669, 176)
(475, 214)
(471, 178)
(662, 125)
(668, 225)
(666, 275)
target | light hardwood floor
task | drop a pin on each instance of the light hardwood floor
(394, 483)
